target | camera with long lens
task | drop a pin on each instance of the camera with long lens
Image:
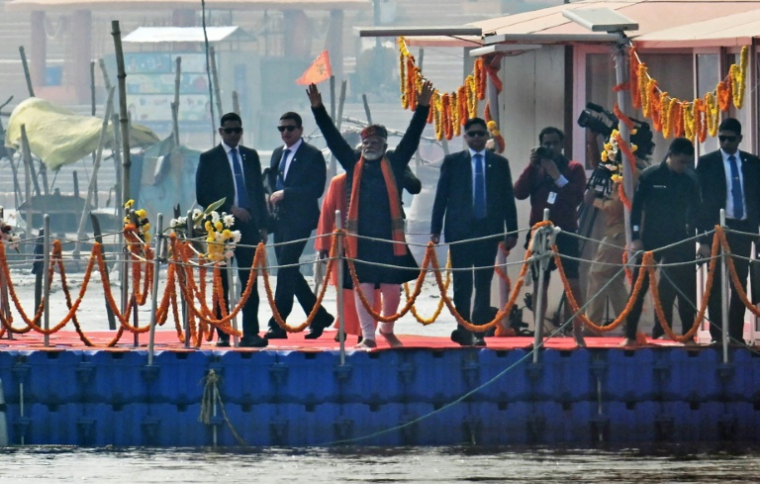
(601, 121)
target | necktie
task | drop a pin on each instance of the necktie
(281, 170)
(736, 188)
(242, 194)
(479, 196)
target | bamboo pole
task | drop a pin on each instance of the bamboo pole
(93, 180)
(235, 103)
(27, 74)
(332, 98)
(215, 76)
(338, 123)
(104, 71)
(175, 104)
(93, 110)
(126, 160)
(92, 88)
(366, 108)
(123, 112)
(27, 157)
(29, 161)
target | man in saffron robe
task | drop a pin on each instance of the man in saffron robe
(374, 179)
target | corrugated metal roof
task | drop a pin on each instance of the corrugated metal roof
(69, 5)
(731, 30)
(548, 25)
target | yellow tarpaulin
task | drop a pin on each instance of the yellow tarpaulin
(59, 137)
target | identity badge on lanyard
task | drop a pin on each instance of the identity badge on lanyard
(552, 198)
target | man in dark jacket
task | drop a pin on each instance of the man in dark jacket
(296, 180)
(664, 212)
(730, 180)
(375, 224)
(233, 172)
(475, 195)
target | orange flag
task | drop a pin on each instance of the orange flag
(318, 71)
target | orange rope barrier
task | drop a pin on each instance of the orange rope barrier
(320, 297)
(426, 321)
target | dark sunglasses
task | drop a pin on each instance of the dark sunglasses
(289, 128)
(232, 130)
(473, 134)
(727, 138)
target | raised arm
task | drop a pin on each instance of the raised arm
(343, 152)
(411, 139)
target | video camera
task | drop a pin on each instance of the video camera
(601, 121)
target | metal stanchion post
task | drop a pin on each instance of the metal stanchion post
(724, 291)
(46, 280)
(538, 316)
(232, 297)
(185, 315)
(339, 287)
(156, 270)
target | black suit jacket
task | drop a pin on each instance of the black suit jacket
(214, 180)
(453, 197)
(712, 179)
(304, 185)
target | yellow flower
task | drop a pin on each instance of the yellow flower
(210, 238)
(219, 226)
(605, 156)
(492, 125)
(141, 213)
(208, 226)
(145, 227)
(634, 147)
(608, 146)
(227, 234)
(129, 204)
(617, 178)
(496, 133)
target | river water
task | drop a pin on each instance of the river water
(439, 465)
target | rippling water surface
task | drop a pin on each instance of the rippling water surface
(440, 465)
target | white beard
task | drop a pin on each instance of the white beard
(372, 155)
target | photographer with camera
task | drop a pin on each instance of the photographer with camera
(554, 182)
(602, 195)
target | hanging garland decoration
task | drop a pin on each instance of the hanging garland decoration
(449, 111)
(694, 119)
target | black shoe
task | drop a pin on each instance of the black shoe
(319, 325)
(462, 337)
(254, 341)
(223, 343)
(276, 332)
(478, 340)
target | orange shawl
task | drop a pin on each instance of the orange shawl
(397, 221)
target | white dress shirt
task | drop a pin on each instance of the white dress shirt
(291, 155)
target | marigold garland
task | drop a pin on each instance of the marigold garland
(421, 319)
(447, 110)
(695, 119)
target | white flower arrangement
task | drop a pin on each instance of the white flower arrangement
(221, 240)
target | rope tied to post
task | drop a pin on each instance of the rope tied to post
(211, 395)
